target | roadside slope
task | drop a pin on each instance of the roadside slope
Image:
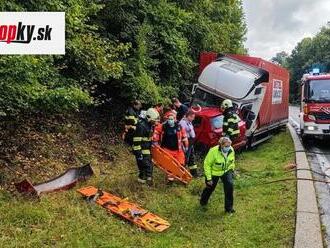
(265, 214)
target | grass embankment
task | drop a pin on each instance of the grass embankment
(265, 214)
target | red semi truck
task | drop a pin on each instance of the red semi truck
(258, 88)
(315, 106)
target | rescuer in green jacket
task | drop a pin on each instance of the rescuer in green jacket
(220, 163)
(230, 121)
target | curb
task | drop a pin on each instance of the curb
(308, 227)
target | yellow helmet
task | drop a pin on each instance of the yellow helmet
(152, 115)
(227, 103)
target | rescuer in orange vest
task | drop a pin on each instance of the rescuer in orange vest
(168, 111)
(172, 138)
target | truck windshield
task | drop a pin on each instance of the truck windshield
(319, 90)
(205, 99)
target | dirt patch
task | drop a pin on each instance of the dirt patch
(40, 148)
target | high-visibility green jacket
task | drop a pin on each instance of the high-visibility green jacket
(216, 164)
(230, 124)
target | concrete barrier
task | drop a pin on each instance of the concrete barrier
(308, 227)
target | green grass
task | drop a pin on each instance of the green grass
(265, 213)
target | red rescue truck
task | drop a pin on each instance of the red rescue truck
(315, 106)
(258, 88)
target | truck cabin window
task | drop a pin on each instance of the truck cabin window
(318, 91)
(206, 99)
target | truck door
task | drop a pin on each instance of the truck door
(247, 114)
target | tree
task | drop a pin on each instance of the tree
(166, 39)
(119, 50)
(60, 83)
(281, 58)
(308, 52)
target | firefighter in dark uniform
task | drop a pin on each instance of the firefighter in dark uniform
(131, 120)
(230, 127)
(142, 144)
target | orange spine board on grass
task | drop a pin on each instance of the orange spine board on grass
(170, 165)
(129, 211)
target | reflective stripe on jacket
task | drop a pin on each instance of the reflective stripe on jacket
(131, 117)
(230, 124)
(142, 138)
(216, 164)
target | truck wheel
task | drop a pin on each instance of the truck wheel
(305, 139)
(249, 143)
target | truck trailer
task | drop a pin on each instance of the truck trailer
(258, 88)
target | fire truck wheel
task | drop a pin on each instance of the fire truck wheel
(306, 139)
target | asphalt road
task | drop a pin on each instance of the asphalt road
(318, 154)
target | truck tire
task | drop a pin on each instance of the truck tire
(306, 139)
(249, 143)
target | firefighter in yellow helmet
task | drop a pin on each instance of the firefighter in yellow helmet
(142, 144)
(230, 121)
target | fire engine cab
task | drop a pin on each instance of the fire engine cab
(315, 105)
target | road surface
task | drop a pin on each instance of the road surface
(318, 154)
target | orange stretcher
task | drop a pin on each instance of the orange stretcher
(170, 165)
(125, 209)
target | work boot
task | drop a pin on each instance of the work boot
(150, 181)
(203, 203)
(231, 211)
(141, 180)
(203, 207)
(194, 173)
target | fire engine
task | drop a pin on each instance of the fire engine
(315, 105)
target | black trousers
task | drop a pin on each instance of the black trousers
(190, 155)
(228, 187)
(145, 167)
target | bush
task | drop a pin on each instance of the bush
(118, 50)
(61, 100)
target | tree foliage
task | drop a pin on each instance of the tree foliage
(119, 50)
(308, 52)
(281, 58)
